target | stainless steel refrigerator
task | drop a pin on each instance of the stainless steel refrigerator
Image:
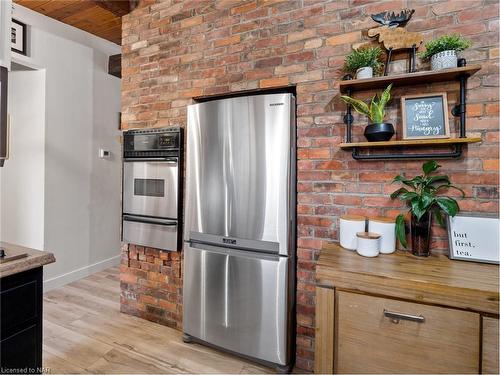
(240, 220)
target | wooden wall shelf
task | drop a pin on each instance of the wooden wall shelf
(411, 142)
(407, 79)
(460, 74)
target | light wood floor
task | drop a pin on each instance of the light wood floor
(84, 332)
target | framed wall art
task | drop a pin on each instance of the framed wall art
(18, 37)
(425, 116)
(474, 237)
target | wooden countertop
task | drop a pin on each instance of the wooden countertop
(434, 280)
(35, 258)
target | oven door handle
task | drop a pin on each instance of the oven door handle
(165, 160)
(149, 220)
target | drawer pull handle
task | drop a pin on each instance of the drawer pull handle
(396, 317)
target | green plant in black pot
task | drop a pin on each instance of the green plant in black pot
(443, 51)
(422, 195)
(377, 130)
(363, 62)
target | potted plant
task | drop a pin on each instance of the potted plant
(363, 62)
(423, 200)
(443, 51)
(377, 130)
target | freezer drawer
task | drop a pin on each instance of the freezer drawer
(157, 233)
(237, 300)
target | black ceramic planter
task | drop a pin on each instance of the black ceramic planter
(379, 132)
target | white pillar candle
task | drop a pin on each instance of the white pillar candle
(349, 226)
(387, 229)
(368, 244)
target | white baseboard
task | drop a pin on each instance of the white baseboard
(79, 273)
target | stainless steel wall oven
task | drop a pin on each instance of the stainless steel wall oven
(152, 188)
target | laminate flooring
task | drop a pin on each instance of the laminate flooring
(84, 332)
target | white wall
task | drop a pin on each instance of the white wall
(22, 183)
(82, 192)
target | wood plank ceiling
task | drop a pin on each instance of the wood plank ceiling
(98, 17)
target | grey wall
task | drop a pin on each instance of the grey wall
(81, 191)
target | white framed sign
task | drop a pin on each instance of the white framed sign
(474, 237)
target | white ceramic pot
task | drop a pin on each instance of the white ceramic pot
(387, 229)
(368, 244)
(444, 60)
(349, 226)
(365, 72)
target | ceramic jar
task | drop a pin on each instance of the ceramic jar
(444, 60)
(368, 244)
(365, 72)
(387, 229)
(349, 226)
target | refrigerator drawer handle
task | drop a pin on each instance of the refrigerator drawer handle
(147, 220)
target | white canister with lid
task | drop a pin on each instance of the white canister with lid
(349, 226)
(387, 229)
(368, 244)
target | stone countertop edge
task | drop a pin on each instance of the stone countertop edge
(35, 259)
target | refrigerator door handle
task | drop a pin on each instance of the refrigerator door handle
(236, 252)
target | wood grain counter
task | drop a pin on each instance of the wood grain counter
(34, 259)
(445, 307)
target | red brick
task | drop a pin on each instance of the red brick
(314, 153)
(265, 63)
(453, 6)
(300, 35)
(226, 41)
(490, 165)
(350, 38)
(273, 82)
(299, 57)
(244, 8)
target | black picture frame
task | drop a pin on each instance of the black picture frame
(23, 27)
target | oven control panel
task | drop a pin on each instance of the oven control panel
(168, 139)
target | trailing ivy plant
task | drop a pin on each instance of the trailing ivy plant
(452, 42)
(363, 57)
(421, 194)
(376, 110)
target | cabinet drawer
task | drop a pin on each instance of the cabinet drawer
(425, 339)
(19, 304)
(21, 350)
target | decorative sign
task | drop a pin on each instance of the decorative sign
(425, 116)
(18, 37)
(474, 238)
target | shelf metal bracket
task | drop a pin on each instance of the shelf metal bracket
(348, 117)
(456, 153)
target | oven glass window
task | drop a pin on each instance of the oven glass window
(149, 187)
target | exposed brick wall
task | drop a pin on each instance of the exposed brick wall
(176, 50)
(151, 285)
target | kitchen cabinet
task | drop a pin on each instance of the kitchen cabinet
(21, 298)
(401, 314)
(21, 326)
